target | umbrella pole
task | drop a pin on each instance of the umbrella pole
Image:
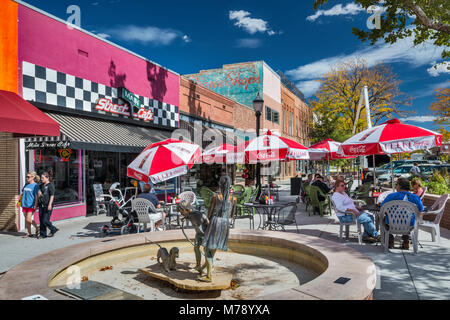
(328, 166)
(374, 173)
(165, 191)
(392, 173)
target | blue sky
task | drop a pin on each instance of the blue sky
(188, 36)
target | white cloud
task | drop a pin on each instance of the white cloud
(103, 35)
(251, 25)
(145, 35)
(186, 38)
(437, 68)
(338, 10)
(418, 119)
(308, 88)
(402, 51)
(248, 43)
(430, 90)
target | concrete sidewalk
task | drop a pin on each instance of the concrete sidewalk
(401, 275)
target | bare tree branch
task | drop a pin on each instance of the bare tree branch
(427, 22)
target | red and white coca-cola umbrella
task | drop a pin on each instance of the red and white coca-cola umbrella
(389, 138)
(164, 160)
(217, 154)
(268, 147)
(326, 150)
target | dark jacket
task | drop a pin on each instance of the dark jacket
(150, 197)
(322, 186)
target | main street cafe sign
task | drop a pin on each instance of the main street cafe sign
(46, 144)
(133, 107)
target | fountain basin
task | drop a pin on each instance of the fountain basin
(328, 260)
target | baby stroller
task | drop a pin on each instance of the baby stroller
(120, 206)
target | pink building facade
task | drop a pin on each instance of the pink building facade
(110, 103)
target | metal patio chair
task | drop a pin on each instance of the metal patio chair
(286, 216)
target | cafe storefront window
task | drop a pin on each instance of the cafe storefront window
(65, 169)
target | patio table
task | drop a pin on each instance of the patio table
(271, 211)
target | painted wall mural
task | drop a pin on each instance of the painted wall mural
(240, 82)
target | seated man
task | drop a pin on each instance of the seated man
(309, 179)
(403, 193)
(344, 203)
(322, 186)
(146, 194)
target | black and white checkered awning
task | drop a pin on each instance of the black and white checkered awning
(99, 135)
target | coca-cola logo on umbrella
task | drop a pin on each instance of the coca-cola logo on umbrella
(265, 155)
(138, 175)
(358, 149)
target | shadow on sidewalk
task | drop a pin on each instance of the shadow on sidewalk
(13, 233)
(93, 231)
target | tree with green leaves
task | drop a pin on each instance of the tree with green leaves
(425, 20)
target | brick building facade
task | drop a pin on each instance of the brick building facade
(296, 121)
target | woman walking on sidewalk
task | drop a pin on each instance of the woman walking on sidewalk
(30, 202)
(46, 197)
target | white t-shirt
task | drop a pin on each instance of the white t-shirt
(342, 203)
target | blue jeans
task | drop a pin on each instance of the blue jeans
(366, 220)
(44, 221)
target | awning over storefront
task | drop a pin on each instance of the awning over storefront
(99, 135)
(23, 119)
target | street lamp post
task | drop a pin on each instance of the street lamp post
(258, 104)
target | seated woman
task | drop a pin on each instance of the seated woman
(344, 203)
(146, 194)
(417, 187)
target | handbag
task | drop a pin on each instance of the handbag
(19, 203)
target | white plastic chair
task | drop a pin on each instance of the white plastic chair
(433, 226)
(188, 196)
(423, 193)
(141, 206)
(347, 224)
(399, 213)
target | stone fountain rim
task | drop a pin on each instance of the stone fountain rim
(33, 276)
